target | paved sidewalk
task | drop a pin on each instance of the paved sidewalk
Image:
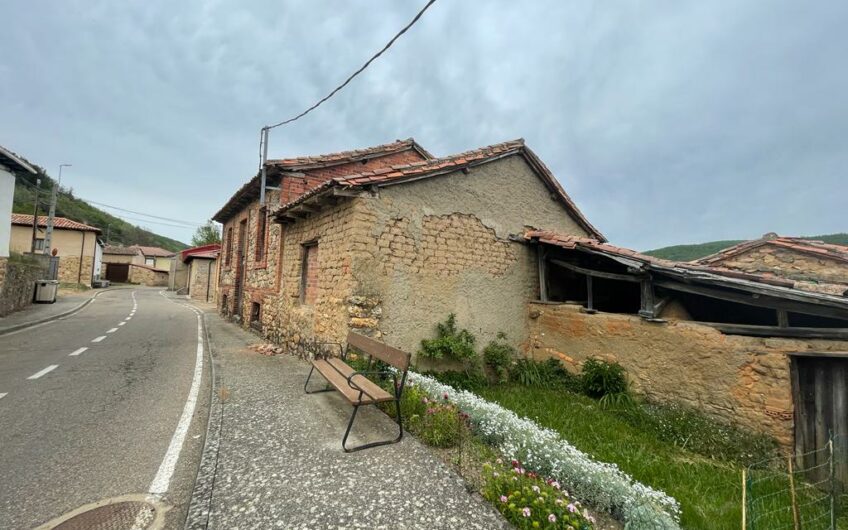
(273, 458)
(36, 313)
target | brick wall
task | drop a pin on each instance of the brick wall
(740, 380)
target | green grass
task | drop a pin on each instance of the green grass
(708, 491)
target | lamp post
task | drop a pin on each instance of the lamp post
(48, 237)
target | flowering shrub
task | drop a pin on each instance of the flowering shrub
(542, 451)
(436, 421)
(528, 501)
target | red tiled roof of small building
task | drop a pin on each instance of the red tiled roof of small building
(210, 251)
(154, 251)
(118, 250)
(807, 246)
(344, 157)
(22, 219)
(448, 164)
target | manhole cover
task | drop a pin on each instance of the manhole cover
(124, 515)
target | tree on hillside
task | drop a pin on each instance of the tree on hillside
(206, 235)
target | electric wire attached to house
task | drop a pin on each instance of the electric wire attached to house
(263, 134)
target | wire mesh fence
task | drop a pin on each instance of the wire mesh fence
(799, 492)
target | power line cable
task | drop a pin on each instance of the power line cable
(356, 73)
(191, 223)
(125, 217)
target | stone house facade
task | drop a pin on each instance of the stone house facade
(388, 245)
(75, 244)
(812, 265)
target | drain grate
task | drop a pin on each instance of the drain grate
(126, 515)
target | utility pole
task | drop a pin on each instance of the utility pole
(263, 140)
(35, 216)
(48, 237)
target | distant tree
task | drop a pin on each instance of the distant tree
(206, 235)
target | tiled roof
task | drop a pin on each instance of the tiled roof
(210, 251)
(817, 248)
(22, 219)
(576, 242)
(117, 250)
(154, 251)
(250, 190)
(439, 166)
(344, 157)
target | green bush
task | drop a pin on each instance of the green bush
(600, 378)
(450, 343)
(498, 355)
(435, 422)
(545, 374)
(528, 501)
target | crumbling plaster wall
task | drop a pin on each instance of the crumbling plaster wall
(440, 245)
(736, 379)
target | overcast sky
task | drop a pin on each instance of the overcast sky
(666, 121)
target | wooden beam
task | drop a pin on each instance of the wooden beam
(597, 274)
(590, 303)
(755, 299)
(647, 308)
(782, 318)
(340, 192)
(542, 254)
(776, 331)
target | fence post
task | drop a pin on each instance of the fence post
(744, 502)
(796, 524)
(832, 484)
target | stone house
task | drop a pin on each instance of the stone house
(156, 257)
(129, 265)
(389, 240)
(812, 265)
(195, 273)
(749, 349)
(75, 245)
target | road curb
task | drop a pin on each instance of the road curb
(24, 325)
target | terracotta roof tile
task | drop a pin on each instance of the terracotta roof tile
(22, 219)
(344, 157)
(819, 248)
(154, 251)
(120, 251)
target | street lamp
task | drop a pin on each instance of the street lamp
(48, 237)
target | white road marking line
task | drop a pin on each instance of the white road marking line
(121, 323)
(161, 482)
(127, 318)
(113, 330)
(45, 371)
(3, 394)
(77, 352)
(98, 339)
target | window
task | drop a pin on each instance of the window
(309, 274)
(150, 261)
(261, 228)
(255, 315)
(229, 253)
(39, 244)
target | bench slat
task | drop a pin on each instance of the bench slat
(335, 371)
(393, 356)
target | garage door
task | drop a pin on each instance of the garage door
(117, 272)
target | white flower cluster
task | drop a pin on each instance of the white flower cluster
(543, 451)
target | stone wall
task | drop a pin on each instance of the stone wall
(203, 275)
(145, 276)
(17, 282)
(69, 269)
(804, 268)
(740, 380)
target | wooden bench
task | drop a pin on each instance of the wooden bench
(355, 387)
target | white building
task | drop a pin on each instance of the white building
(9, 165)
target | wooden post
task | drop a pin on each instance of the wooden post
(796, 523)
(744, 500)
(590, 304)
(647, 299)
(543, 276)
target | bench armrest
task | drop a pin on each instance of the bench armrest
(370, 372)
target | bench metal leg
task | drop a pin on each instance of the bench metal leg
(372, 444)
(326, 388)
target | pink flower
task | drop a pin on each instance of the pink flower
(571, 508)
(445, 395)
(525, 512)
(558, 502)
(551, 517)
(503, 498)
(555, 484)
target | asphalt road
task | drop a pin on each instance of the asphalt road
(78, 426)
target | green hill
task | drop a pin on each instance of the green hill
(120, 231)
(695, 251)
